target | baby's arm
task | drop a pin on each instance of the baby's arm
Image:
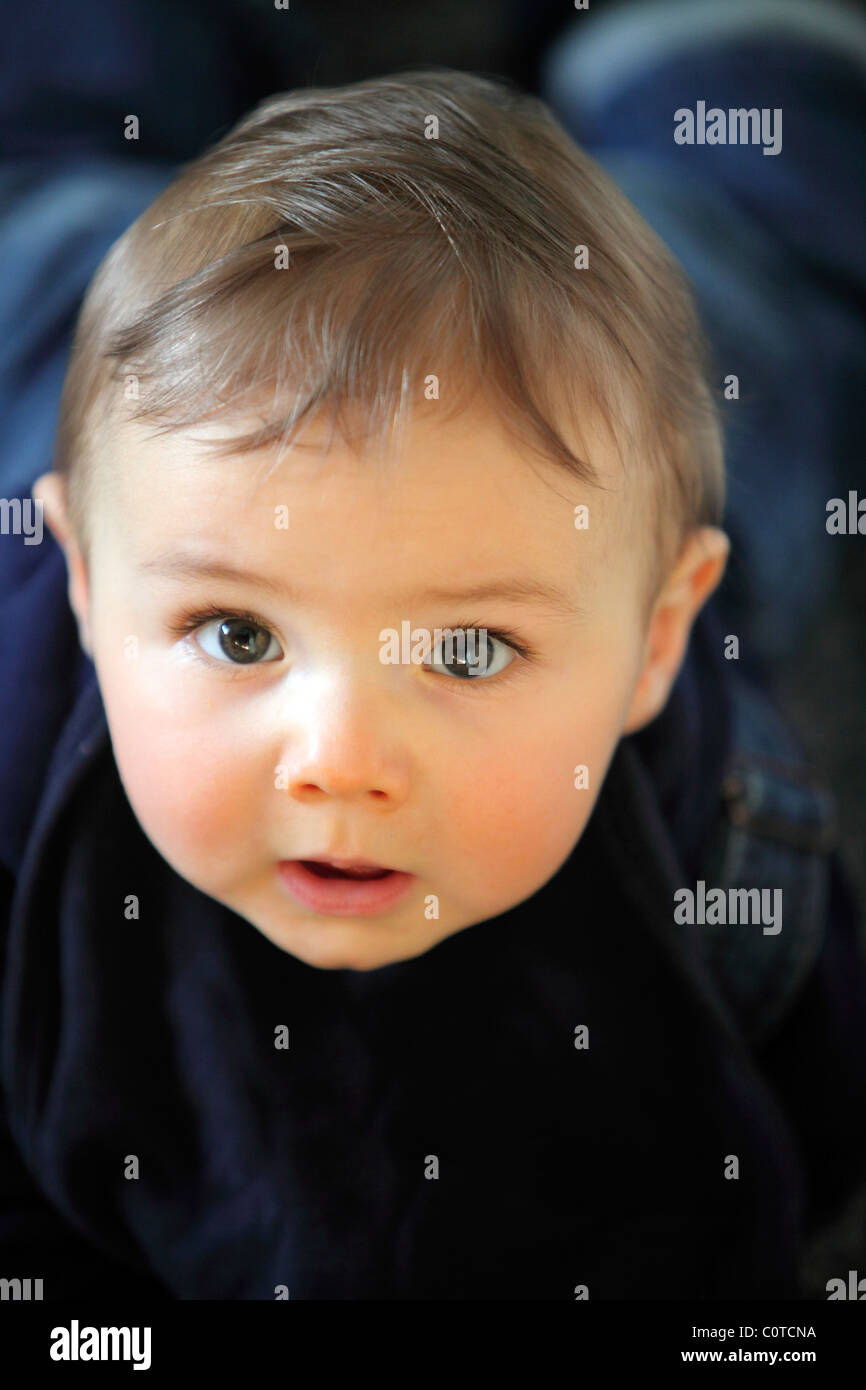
(816, 1062)
(36, 1242)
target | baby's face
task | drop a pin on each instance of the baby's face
(244, 749)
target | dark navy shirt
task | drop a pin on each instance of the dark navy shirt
(431, 1131)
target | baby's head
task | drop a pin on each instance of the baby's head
(396, 357)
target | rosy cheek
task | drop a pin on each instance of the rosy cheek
(518, 813)
(186, 789)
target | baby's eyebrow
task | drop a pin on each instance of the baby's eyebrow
(519, 589)
(523, 589)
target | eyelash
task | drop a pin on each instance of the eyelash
(190, 622)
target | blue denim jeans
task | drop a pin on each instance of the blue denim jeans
(773, 243)
(71, 182)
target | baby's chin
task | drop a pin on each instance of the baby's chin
(361, 944)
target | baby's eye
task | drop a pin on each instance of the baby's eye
(238, 640)
(470, 654)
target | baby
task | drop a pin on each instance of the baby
(391, 358)
(558, 483)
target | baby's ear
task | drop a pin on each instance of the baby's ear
(50, 490)
(696, 573)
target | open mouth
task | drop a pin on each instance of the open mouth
(343, 889)
(323, 870)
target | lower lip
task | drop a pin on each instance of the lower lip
(343, 897)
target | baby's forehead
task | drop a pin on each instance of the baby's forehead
(453, 485)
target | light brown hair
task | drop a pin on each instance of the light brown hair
(410, 251)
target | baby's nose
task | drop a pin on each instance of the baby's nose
(347, 750)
